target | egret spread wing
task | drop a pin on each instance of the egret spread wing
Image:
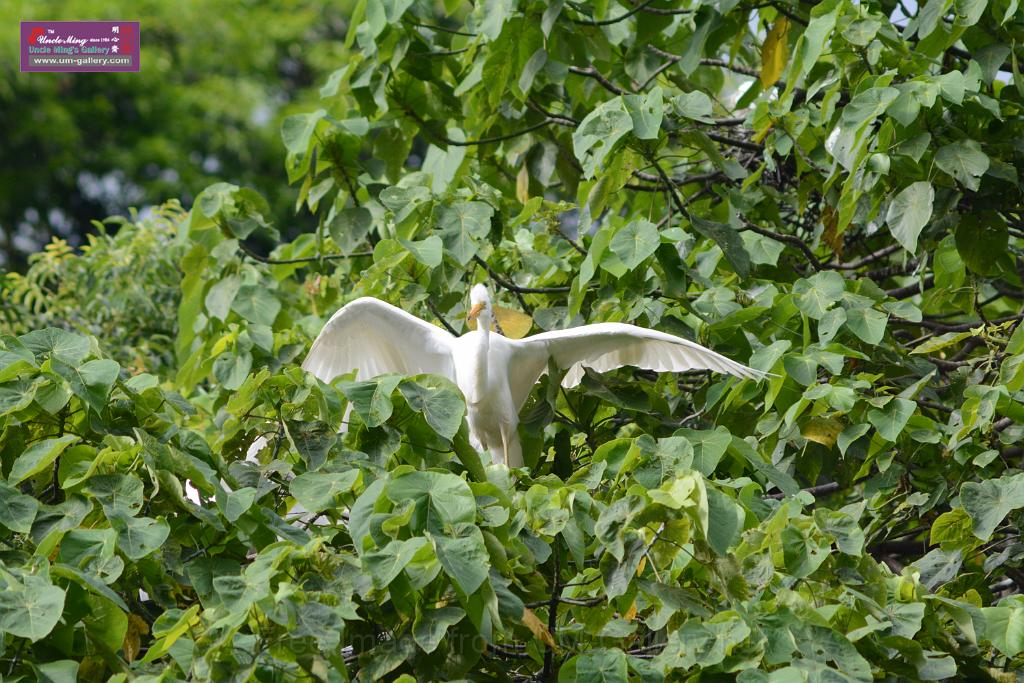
(606, 346)
(373, 337)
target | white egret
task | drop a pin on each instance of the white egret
(495, 373)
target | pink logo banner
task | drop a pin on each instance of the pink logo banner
(74, 46)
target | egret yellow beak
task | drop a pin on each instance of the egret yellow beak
(474, 311)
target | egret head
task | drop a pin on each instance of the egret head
(479, 302)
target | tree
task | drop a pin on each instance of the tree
(205, 106)
(826, 192)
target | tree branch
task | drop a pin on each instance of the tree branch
(791, 240)
(910, 290)
(308, 259)
(819, 490)
(437, 313)
(591, 72)
(613, 20)
(496, 138)
(512, 287)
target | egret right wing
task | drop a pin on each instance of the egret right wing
(373, 337)
(606, 346)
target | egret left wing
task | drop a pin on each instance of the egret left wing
(606, 346)
(373, 337)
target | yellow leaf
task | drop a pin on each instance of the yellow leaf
(823, 430)
(630, 614)
(774, 52)
(640, 567)
(514, 324)
(538, 628)
(137, 627)
(763, 133)
(523, 184)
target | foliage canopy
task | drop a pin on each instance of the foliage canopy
(822, 191)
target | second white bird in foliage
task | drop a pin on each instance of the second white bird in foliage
(495, 373)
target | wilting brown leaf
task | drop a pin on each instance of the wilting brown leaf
(831, 234)
(774, 52)
(137, 627)
(514, 324)
(823, 430)
(538, 628)
(523, 184)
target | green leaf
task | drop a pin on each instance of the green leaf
(463, 556)
(817, 294)
(90, 583)
(708, 447)
(30, 610)
(221, 296)
(728, 240)
(855, 121)
(384, 565)
(988, 502)
(256, 304)
(982, 239)
(600, 665)
(725, 521)
(117, 493)
(56, 343)
(18, 395)
(17, 510)
(940, 342)
(429, 251)
(635, 242)
(236, 503)
(694, 105)
(440, 499)
(38, 457)
(1004, 626)
(965, 161)
(646, 113)
(431, 626)
(783, 481)
(372, 400)
(439, 400)
(890, 420)
(461, 225)
(908, 213)
(938, 567)
(597, 134)
(317, 491)
(231, 368)
(844, 528)
(138, 537)
(91, 382)
(349, 227)
(867, 323)
(297, 130)
(60, 671)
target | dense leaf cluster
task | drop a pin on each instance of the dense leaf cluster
(829, 193)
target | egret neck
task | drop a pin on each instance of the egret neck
(481, 352)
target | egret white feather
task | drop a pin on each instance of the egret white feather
(495, 374)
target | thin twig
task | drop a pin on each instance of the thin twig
(512, 287)
(308, 259)
(613, 20)
(437, 313)
(591, 72)
(819, 490)
(792, 240)
(439, 28)
(496, 138)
